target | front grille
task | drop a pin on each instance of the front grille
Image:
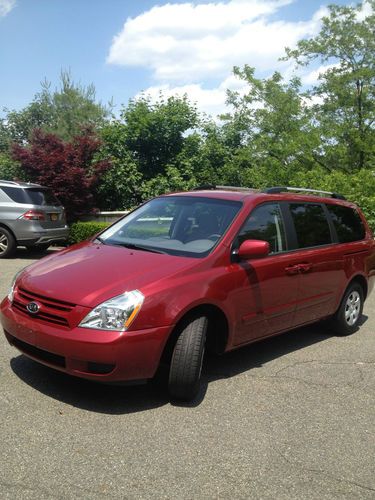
(35, 352)
(52, 310)
(52, 303)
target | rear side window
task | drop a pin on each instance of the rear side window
(16, 194)
(31, 196)
(347, 222)
(311, 224)
(265, 223)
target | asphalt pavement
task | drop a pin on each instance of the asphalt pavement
(292, 417)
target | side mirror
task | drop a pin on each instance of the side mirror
(252, 249)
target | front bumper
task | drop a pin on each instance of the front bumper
(86, 353)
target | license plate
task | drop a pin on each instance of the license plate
(54, 216)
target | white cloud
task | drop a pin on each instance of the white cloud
(6, 6)
(312, 77)
(365, 11)
(184, 45)
(209, 100)
(190, 42)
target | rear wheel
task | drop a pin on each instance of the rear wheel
(346, 319)
(187, 359)
(7, 243)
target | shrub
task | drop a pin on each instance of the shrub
(81, 231)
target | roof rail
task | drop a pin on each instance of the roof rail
(8, 182)
(280, 189)
(225, 188)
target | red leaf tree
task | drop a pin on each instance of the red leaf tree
(68, 168)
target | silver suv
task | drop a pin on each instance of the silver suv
(31, 216)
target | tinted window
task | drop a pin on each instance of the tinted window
(347, 222)
(31, 196)
(15, 194)
(265, 223)
(311, 224)
(42, 197)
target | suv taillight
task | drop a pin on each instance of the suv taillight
(33, 215)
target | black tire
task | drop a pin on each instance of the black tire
(345, 321)
(7, 243)
(187, 359)
(38, 248)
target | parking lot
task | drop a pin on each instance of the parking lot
(287, 418)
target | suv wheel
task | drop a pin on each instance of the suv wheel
(345, 321)
(7, 243)
(187, 360)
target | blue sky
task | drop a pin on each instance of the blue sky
(125, 47)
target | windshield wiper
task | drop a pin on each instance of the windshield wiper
(133, 246)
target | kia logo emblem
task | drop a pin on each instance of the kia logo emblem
(33, 307)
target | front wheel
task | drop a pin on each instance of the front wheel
(346, 319)
(187, 360)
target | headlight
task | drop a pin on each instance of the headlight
(12, 285)
(115, 314)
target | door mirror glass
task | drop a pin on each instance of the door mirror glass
(252, 249)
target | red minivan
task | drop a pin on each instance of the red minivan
(215, 268)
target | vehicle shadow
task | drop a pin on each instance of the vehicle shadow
(25, 254)
(115, 399)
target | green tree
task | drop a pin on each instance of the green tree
(121, 186)
(156, 133)
(10, 169)
(345, 93)
(151, 148)
(65, 112)
(270, 131)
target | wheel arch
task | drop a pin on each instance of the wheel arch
(361, 280)
(8, 229)
(217, 330)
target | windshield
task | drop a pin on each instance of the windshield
(177, 225)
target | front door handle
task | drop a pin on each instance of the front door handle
(292, 269)
(305, 267)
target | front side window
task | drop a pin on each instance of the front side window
(265, 223)
(178, 225)
(348, 224)
(311, 224)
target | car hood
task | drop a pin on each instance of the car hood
(88, 274)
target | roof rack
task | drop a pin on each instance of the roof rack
(225, 188)
(8, 182)
(20, 184)
(280, 189)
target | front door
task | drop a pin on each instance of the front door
(266, 292)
